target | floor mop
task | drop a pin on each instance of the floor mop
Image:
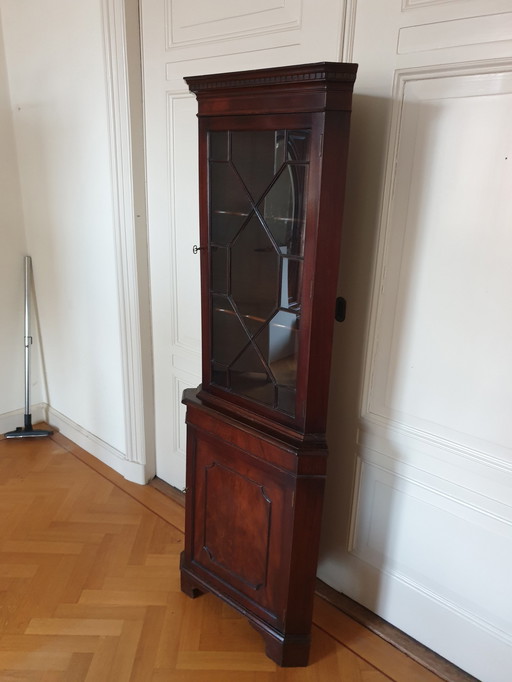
(26, 431)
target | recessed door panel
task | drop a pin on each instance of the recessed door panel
(240, 507)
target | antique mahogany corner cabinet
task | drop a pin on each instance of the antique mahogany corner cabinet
(272, 157)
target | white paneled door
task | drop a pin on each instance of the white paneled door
(423, 533)
(182, 38)
(418, 518)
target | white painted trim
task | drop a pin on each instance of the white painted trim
(354, 507)
(10, 421)
(348, 30)
(132, 471)
(388, 429)
(125, 228)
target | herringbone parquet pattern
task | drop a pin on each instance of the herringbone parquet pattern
(89, 589)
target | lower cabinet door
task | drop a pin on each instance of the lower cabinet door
(242, 514)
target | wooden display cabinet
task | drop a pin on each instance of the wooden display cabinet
(272, 158)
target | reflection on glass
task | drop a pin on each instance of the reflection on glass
(291, 280)
(230, 204)
(228, 334)
(250, 377)
(257, 185)
(254, 271)
(298, 145)
(283, 208)
(252, 154)
(278, 343)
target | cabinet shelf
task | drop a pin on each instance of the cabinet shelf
(294, 221)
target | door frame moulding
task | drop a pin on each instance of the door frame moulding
(129, 217)
(348, 29)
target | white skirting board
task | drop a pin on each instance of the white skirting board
(132, 471)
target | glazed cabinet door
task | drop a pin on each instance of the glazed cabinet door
(261, 211)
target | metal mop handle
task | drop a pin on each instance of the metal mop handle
(28, 338)
(27, 431)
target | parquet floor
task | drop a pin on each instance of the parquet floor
(89, 589)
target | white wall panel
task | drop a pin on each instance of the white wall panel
(209, 22)
(411, 527)
(440, 542)
(445, 284)
(182, 140)
(455, 33)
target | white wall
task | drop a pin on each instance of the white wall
(57, 73)
(12, 240)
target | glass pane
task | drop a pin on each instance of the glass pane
(284, 209)
(252, 154)
(219, 148)
(220, 375)
(286, 399)
(220, 275)
(229, 203)
(228, 334)
(278, 343)
(257, 186)
(254, 272)
(250, 377)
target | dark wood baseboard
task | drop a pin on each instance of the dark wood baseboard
(403, 642)
(170, 491)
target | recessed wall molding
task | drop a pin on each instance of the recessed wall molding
(389, 537)
(189, 25)
(455, 33)
(414, 4)
(391, 433)
(416, 468)
(419, 93)
(184, 221)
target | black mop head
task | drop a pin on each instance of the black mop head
(27, 431)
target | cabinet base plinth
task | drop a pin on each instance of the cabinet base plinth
(287, 650)
(189, 586)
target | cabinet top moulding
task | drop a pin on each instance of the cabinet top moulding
(306, 87)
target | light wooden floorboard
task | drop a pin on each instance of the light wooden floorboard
(90, 590)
